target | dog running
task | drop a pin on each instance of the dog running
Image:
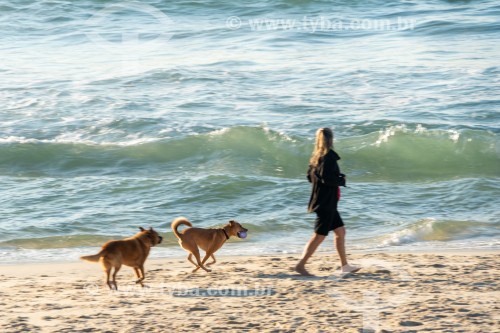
(209, 240)
(131, 252)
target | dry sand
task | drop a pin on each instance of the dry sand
(405, 292)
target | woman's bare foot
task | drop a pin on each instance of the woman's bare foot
(349, 269)
(301, 269)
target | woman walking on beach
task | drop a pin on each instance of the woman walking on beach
(325, 176)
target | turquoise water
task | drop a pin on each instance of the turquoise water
(115, 116)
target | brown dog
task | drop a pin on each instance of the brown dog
(209, 240)
(131, 252)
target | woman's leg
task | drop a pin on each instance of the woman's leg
(309, 250)
(340, 245)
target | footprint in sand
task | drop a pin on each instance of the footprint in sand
(240, 269)
(198, 308)
(410, 323)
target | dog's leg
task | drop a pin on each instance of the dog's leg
(106, 267)
(193, 250)
(107, 270)
(139, 271)
(208, 254)
(198, 260)
(137, 274)
(213, 262)
(190, 258)
(117, 268)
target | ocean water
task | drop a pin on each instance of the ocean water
(116, 115)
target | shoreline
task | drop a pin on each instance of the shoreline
(394, 292)
(319, 252)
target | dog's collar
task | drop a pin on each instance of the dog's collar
(225, 233)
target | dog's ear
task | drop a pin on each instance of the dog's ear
(150, 228)
(231, 223)
(141, 228)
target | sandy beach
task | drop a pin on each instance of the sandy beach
(396, 292)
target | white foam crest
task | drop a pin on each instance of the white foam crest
(384, 135)
(420, 129)
(219, 132)
(454, 135)
(17, 139)
(412, 234)
(76, 139)
(271, 135)
(132, 141)
(268, 131)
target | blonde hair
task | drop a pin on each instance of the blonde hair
(324, 142)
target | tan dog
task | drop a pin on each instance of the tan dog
(131, 252)
(209, 240)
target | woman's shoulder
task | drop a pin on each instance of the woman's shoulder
(332, 154)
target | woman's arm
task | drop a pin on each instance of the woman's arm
(310, 173)
(330, 172)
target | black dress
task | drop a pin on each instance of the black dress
(326, 179)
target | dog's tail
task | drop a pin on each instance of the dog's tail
(177, 222)
(93, 258)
